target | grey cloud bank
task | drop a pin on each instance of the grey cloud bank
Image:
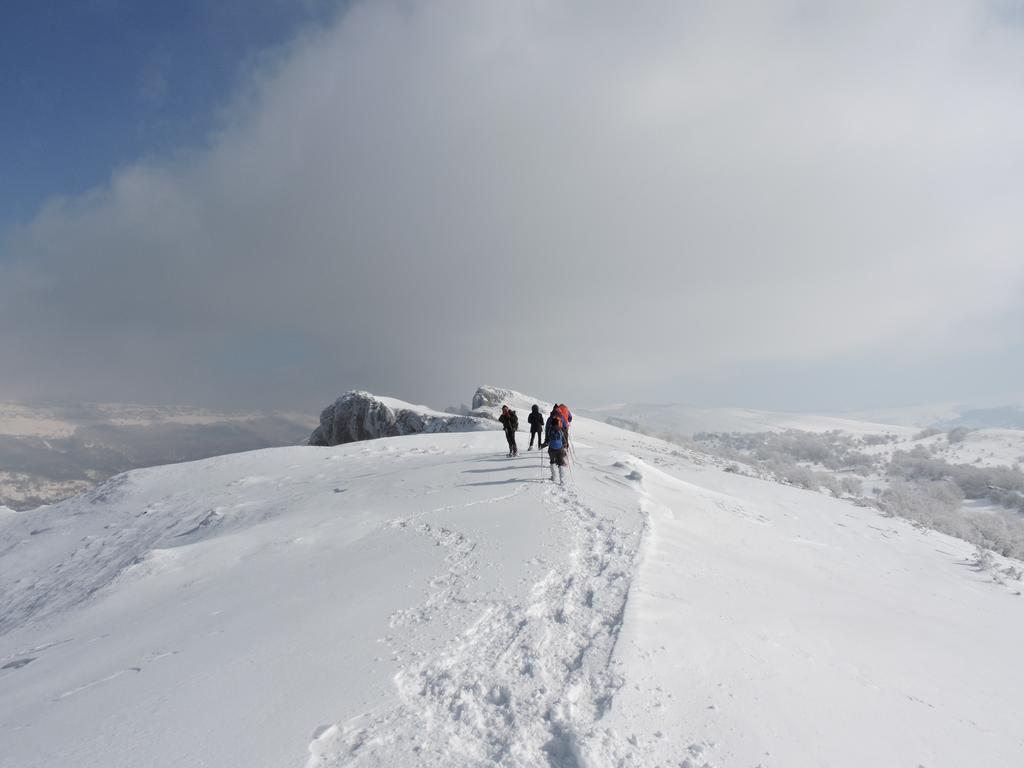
(621, 201)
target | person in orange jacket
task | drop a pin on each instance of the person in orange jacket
(558, 416)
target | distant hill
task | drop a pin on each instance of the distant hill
(48, 453)
(1005, 417)
(946, 415)
(686, 420)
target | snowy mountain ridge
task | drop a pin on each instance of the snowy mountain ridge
(359, 415)
(423, 600)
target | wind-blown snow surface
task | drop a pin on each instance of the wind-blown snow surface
(423, 600)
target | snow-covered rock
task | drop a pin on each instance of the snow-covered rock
(360, 415)
(487, 402)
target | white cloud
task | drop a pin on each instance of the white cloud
(596, 197)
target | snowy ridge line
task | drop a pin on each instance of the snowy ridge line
(527, 683)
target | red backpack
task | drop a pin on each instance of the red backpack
(563, 409)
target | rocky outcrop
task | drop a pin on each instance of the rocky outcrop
(487, 402)
(493, 397)
(361, 416)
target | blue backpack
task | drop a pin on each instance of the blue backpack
(557, 440)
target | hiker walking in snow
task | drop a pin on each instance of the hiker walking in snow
(552, 417)
(536, 427)
(510, 422)
(555, 440)
(561, 410)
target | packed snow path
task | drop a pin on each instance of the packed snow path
(527, 682)
(425, 601)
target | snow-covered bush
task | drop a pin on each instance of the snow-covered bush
(852, 486)
(922, 488)
(804, 477)
(1001, 532)
(925, 502)
(878, 439)
(1001, 485)
(831, 450)
(938, 504)
(1012, 572)
(957, 434)
(982, 560)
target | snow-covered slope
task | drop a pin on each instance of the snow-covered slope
(423, 600)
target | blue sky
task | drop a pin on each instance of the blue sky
(87, 86)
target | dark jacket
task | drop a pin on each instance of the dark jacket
(510, 421)
(536, 420)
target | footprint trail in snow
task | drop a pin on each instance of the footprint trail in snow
(527, 683)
